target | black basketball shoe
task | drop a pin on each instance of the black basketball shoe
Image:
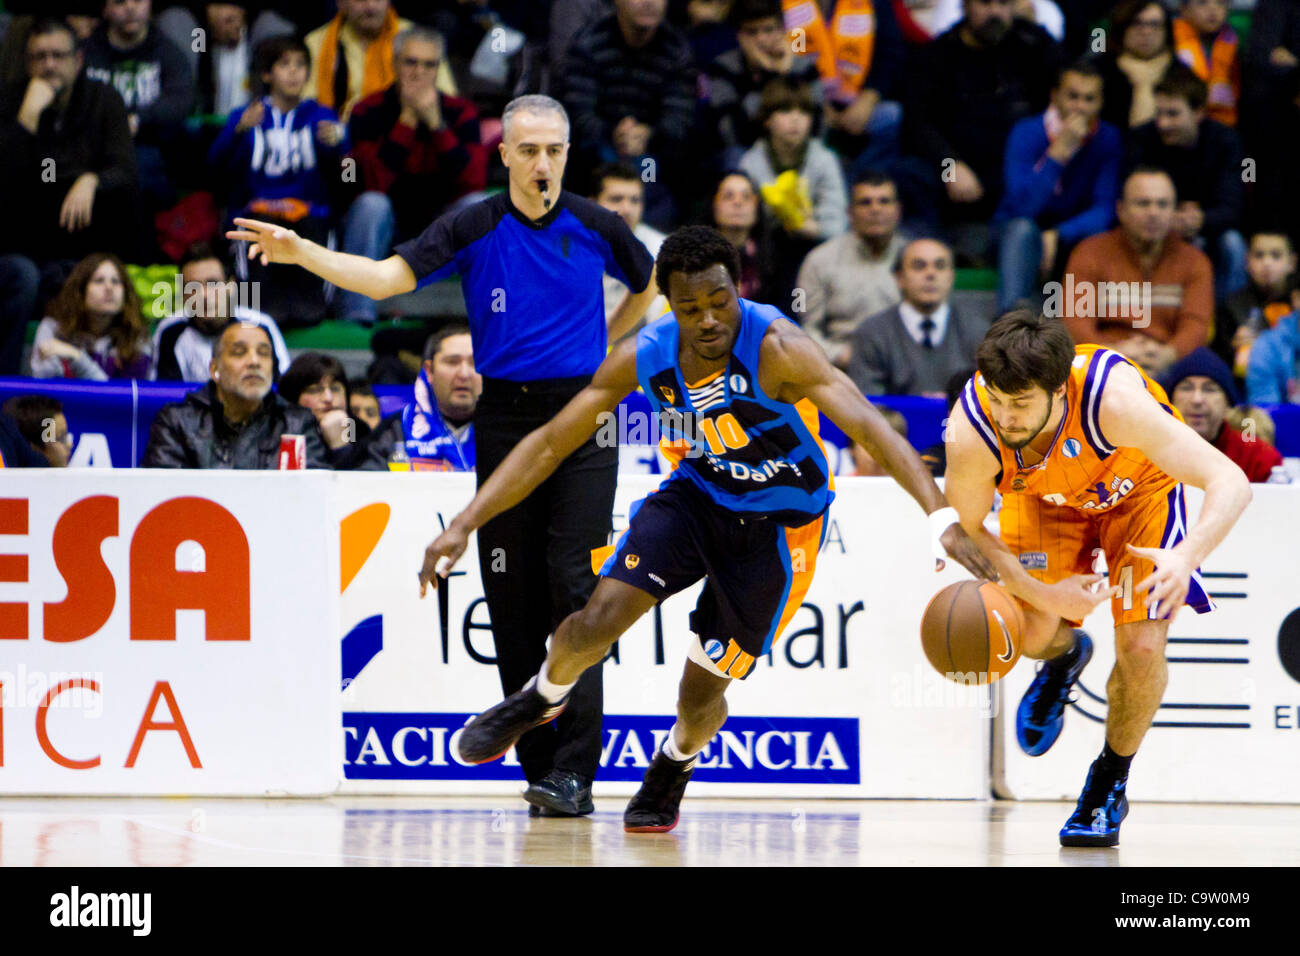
(654, 808)
(496, 730)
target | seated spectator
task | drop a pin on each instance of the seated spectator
(915, 347)
(182, 342)
(969, 87)
(736, 213)
(799, 178)
(59, 120)
(864, 465)
(353, 55)
(363, 405)
(281, 156)
(1062, 176)
(15, 450)
(1132, 68)
(732, 83)
(1273, 374)
(155, 81)
(417, 151)
(1201, 388)
(1139, 288)
(620, 190)
(1203, 158)
(628, 84)
(858, 48)
(1204, 42)
(1265, 300)
(435, 432)
(235, 421)
(318, 382)
(850, 277)
(40, 420)
(95, 329)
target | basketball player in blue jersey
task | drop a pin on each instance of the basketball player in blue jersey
(737, 386)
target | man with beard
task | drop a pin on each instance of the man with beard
(1090, 457)
(970, 86)
(234, 421)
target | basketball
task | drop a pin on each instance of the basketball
(971, 632)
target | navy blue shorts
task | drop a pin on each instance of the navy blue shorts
(756, 571)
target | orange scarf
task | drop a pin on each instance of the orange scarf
(1222, 73)
(844, 50)
(379, 73)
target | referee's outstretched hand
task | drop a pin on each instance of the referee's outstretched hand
(439, 556)
(273, 243)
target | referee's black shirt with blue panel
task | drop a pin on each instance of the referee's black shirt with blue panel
(536, 307)
(532, 287)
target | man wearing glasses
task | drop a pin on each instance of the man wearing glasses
(67, 174)
(417, 152)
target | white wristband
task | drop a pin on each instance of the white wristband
(941, 521)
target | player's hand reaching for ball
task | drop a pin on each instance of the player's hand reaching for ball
(441, 555)
(1168, 583)
(1074, 598)
(270, 242)
(962, 549)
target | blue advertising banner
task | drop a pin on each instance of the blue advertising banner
(109, 421)
(809, 750)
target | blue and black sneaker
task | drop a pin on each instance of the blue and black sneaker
(1102, 807)
(1041, 714)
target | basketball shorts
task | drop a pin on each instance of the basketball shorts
(1053, 543)
(756, 571)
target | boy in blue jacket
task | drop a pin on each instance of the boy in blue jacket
(281, 156)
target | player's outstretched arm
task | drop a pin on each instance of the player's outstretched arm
(376, 278)
(969, 483)
(535, 458)
(804, 372)
(1130, 417)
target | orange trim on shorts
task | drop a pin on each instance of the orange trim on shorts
(808, 540)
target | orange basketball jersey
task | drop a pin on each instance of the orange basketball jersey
(1082, 469)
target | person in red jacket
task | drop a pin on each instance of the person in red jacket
(1202, 389)
(417, 151)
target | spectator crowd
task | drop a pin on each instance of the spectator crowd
(1124, 169)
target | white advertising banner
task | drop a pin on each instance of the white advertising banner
(168, 634)
(846, 705)
(1229, 727)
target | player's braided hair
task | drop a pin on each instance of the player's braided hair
(694, 249)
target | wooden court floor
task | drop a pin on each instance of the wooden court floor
(491, 831)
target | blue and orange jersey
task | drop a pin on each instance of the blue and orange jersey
(750, 453)
(1082, 469)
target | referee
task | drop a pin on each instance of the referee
(531, 262)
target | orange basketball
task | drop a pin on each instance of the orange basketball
(971, 632)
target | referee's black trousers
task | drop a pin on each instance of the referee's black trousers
(535, 561)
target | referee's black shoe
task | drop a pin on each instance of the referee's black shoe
(561, 793)
(654, 809)
(493, 732)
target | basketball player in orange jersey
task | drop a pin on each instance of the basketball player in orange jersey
(1088, 454)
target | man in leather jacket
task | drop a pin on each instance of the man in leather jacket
(234, 421)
